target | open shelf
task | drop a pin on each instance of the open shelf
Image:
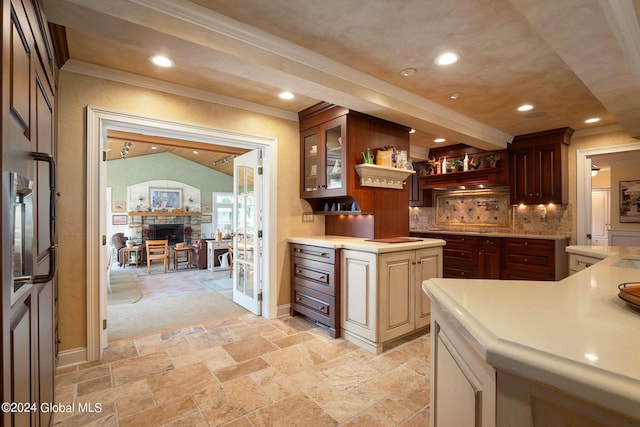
(382, 176)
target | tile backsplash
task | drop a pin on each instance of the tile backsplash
(489, 211)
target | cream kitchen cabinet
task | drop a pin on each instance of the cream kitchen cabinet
(463, 385)
(382, 297)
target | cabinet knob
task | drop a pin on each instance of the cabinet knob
(322, 307)
(323, 277)
(298, 299)
(526, 243)
(526, 260)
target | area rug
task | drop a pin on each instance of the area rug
(134, 320)
(124, 289)
(219, 285)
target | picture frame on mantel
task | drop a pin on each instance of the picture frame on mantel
(630, 201)
(165, 198)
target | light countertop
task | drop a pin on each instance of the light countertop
(360, 244)
(575, 335)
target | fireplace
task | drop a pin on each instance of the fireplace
(174, 233)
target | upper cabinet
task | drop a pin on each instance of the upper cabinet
(536, 163)
(332, 140)
(323, 159)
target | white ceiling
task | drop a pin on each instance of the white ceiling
(571, 59)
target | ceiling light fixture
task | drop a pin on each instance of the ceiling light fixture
(525, 107)
(593, 120)
(412, 131)
(407, 72)
(286, 95)
(162, 61)
(594, 170)
(447, 58)
(439, 140)
(454, 95)
(125, 149)
(195, 151)
(223, 161)
(154, 148)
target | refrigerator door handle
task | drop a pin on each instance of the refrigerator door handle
(53, 249)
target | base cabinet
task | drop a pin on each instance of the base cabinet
(463, 388)
(315, 285)
(382, 294)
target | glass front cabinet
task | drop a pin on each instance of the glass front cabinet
(324, 159)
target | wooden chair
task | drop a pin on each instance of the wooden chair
(157, 249)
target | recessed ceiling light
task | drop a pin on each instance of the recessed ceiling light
(454, 95)
(162, 61)
(439, 140)
(195, 152)
(408, 72)
(412, 131)
(447, 58)
(592, 120)
(154, 148)
(286, 95)
(525, 107)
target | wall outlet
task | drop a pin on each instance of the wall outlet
(307, 217)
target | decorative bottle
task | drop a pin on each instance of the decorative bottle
(465, 163)
(444, 165)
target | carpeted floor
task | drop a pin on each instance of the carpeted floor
(169, 301)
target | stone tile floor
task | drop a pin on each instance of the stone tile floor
(249, 371)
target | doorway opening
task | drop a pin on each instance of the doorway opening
(584, 162)
(99, 121)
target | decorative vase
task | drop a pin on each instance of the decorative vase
(130, 243)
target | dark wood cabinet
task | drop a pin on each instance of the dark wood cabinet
(332, 140)
(315, 280)
(505, 258)
(489, 249)
(537, 164)
(323, 160)
(529, 259)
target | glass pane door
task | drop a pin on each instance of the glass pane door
(311, 178)
(247, 241)
(333, 152)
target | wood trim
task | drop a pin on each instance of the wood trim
(60, 44)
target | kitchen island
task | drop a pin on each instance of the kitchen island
(365, 290)
(534, 353)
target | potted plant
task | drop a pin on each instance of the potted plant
(454, 165)
(491, 161)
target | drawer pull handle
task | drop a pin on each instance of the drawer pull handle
(323, 277)
(298, 299)
(298, 271)
(322, 307)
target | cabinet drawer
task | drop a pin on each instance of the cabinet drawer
(456, 241)
(314, 304)
(460, 254)
(316, 253)
(316, 275)
(458, 273)
(580, 262)
(529, 246)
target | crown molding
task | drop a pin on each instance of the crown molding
(85, 68)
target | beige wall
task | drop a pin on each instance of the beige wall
(608, 139)
(75, 93)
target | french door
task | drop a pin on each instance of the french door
(247, 226)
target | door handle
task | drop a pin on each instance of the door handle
(53, 248)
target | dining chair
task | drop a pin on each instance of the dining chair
(157, 250)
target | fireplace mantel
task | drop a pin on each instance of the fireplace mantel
(165, 213)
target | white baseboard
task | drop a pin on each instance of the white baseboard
(72, 357)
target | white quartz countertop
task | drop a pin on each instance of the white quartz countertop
(360, 244)
(575, 335)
